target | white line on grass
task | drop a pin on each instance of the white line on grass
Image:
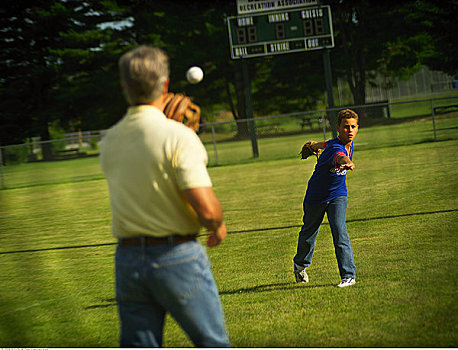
(389, 203)
(30, 306)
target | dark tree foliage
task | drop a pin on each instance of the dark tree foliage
(59, 57)
(54, 62)
(435, 27)
(192, 33)
(392, 38)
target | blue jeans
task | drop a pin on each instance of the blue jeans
(153, 280)
(313, 217)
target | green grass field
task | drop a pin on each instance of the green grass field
(56, 250)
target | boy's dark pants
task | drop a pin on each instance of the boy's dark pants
(336, 210)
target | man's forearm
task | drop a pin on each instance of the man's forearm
(209, 212)
(211, 219)
(207, 207)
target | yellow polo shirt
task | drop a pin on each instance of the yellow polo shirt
(148, 160)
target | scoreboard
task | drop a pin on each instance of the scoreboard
(271, 33)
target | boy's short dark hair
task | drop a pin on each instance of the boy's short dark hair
(346, 114)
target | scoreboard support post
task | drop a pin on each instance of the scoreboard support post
(249, 108)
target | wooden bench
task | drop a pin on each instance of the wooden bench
(445, 109)
(268, 129)
(306, 121)
(71, 153)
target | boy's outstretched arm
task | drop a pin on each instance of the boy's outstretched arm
(345, 162)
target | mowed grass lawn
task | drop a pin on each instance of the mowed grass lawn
(56, 255)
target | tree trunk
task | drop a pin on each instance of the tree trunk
(46, 148)
(355, 72)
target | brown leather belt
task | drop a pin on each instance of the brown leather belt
(149, 240)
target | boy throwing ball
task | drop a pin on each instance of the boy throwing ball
(327, 193)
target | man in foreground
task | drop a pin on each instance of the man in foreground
(160, 194)
(327, 193)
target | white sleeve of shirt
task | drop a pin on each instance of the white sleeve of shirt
(190, 162)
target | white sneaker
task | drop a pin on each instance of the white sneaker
(300, 274)
(346, 282)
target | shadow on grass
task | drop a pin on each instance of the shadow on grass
(255, 289)
(271, 287)
(111, 302)
(351, 220)
(403, 215)
(240, 231)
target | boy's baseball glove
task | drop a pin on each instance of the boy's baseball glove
(307, 150)
(179, 107)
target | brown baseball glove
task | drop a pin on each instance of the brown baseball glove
(179, 107)
(307, 150)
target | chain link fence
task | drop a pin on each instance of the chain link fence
(233, 142)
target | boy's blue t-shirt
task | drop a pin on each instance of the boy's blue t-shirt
(327, 181)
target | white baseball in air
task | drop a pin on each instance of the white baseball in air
(194, 75)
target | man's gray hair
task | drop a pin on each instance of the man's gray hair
(143, 70)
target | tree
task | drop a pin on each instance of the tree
(59, 58)
(192, 33)
(53, 50)
(392, 38)
(359, 41)
(435, 23)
